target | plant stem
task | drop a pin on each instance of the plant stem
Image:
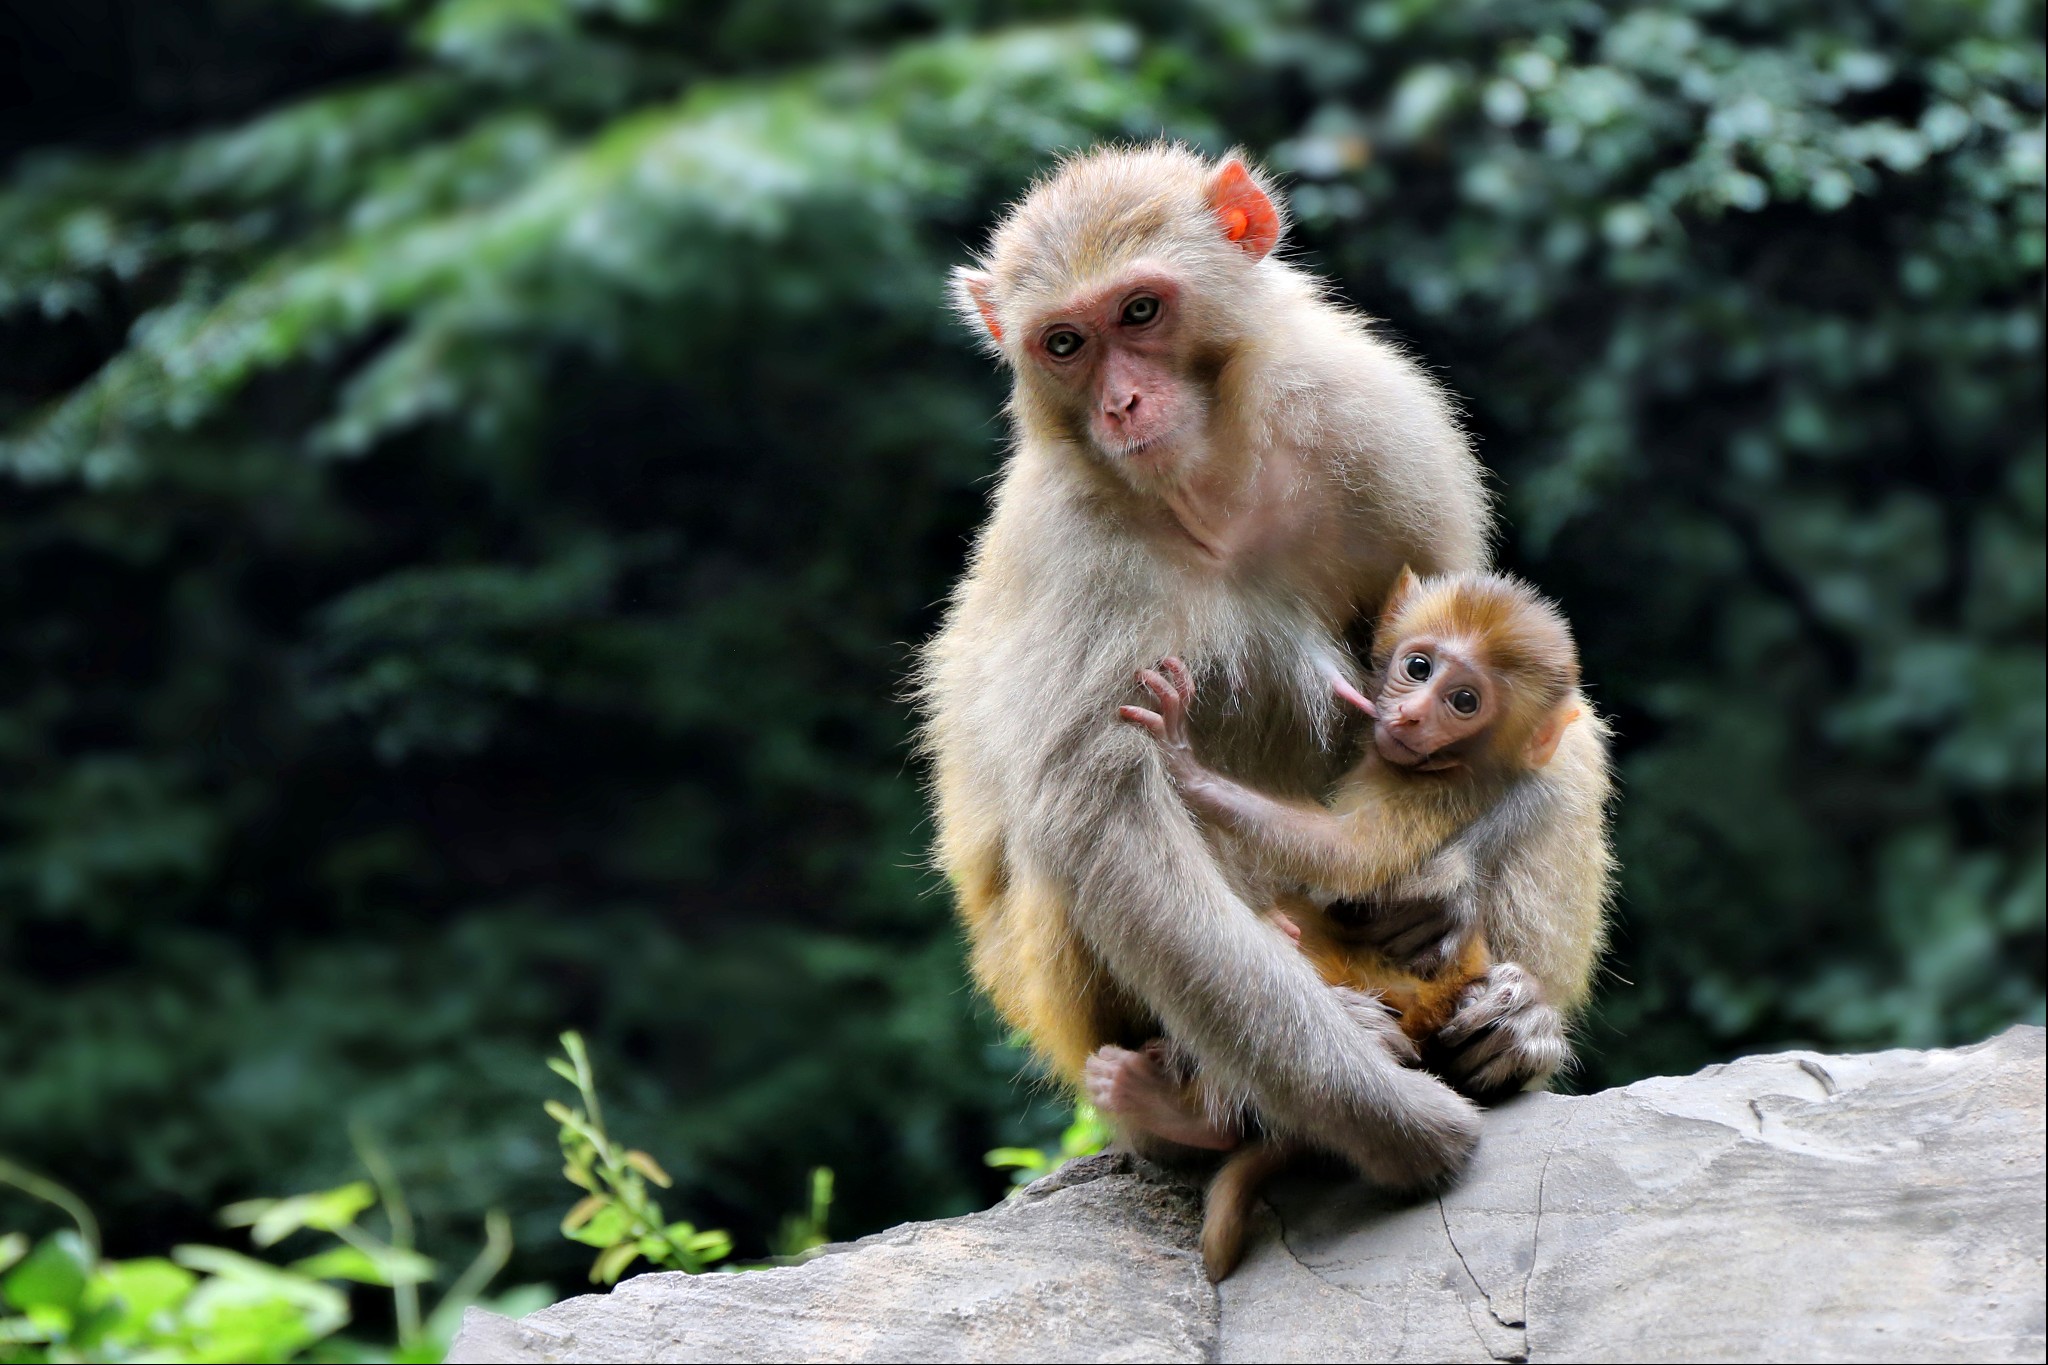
(50, 1192)
(405, 1297)
(496, 1251)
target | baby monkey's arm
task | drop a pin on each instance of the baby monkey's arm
(1353, 853)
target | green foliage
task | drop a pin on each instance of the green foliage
(1085, 1136)
(1757, 309)
(810, 1228)
(468, 482)
(61, 1300)
(616, 1214)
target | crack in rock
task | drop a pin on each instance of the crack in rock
(1517, 1355)
(1821, 1074)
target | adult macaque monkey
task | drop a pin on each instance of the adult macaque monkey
(1211, 460)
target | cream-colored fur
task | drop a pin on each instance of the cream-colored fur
(1097, 911)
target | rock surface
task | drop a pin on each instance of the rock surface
(1784, 1207)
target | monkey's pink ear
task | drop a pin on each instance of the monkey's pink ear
(974, 295)
(1245, 211)
(1543, 744)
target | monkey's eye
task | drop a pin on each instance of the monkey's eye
(1464, 701)
(1064, 342)
(1416, 666)
(1140, 310)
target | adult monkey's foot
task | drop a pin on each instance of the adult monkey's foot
(1137, 1090)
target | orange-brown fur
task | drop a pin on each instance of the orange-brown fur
(1424, 1003)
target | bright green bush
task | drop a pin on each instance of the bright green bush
(61, 1300)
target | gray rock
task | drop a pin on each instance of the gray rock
(1783, 1207)
(1097, 1261)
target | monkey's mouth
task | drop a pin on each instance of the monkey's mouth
(1152, 446)
(1134, 448)
(1413, 759)
(1394, 751)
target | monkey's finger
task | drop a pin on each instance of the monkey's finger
(1105, 1058)
(1538, 1051)
(1151, 720)
(1413, 940)
(1482, 1049)
(1535, 1051)
(1503, 1076)
(1161, 690)
(1485, 1012)
(1414, 934)
(1347, 693)
(1183, 682)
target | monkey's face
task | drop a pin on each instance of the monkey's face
(1435, 706)
(1112, 363)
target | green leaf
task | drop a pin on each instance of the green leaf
(270, 1221)
(612, 1262)
(130, 1300)
(582, 1212)
(389, 1266)
(648, 1167)
(13, 1246)
(51, 1276)
(1021, 1158)
(138, 1290)
(236, 1268)
(604, 1229)
(713, 1244)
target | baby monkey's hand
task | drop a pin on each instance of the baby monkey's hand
(1207, 792)
(1173, 688)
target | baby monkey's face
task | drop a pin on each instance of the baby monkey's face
(1435, 706)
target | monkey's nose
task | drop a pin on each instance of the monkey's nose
(1118, 409)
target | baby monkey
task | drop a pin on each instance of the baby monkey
(1476, 680)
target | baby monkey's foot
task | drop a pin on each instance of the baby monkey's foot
(1505, 1036)
(1137, 1089)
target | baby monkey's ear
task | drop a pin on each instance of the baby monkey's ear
(1400, 595)
(1399, 598)
(1543, 744)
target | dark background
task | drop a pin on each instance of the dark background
(471, 475)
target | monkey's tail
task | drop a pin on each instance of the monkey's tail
(1228, 1207)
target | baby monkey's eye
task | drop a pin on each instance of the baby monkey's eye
(1141, 310)
(1416, 666)
(1464, 701)
(1064, 342)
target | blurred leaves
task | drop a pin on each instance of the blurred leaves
(62, 1301)
(463, 516)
